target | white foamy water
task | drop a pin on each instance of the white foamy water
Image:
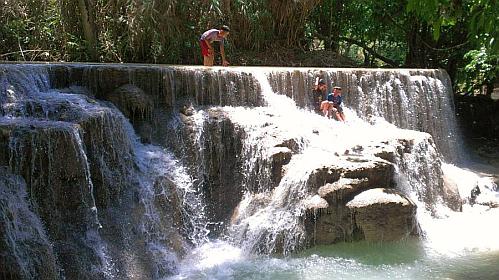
(465, 240)
(455, 245)
(475, 229)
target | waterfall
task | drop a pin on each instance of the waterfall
(21, 229)
(126, 171)
(271, 219)
(411, 99)
(112, 206)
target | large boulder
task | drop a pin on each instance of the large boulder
(336, 213)
(382, 215)
(377, 172)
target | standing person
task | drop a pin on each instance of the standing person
(206, 42)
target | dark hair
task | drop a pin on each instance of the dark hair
(225, 28)
(321, 82)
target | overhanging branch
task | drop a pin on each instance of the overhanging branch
(370, 51)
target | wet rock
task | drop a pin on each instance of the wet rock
(132, 101)
(475, 192)
(280, 157)
(382, 215)
(168, 201)
(170, 212)
(343, 189)
(187, 110)
(74, 89)
(314, 203)
(26, 252)
(406, 145)
(59, 190)
(327, 223)
(357, 149)
(108, 149)
(249, 206)
(291, 144)
(222, 165)
(378, 172)
(328, 220)
(451, 194)
(384, 151)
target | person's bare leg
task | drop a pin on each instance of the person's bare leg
(333, 112)
(325, 108)
(208, 60)
(341, 116)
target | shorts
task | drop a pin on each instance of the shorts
(339, 108)
(205, 51)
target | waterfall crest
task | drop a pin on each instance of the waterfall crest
(130, 170)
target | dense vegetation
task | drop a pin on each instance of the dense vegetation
(457, 35)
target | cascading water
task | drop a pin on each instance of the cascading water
(269, 217)
(224, 190)
(408, 98)
(101, 194)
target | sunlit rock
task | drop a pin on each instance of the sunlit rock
(249, 206)
(343, 189)
(382, 215)
(451, 193)
(331, 222)
(315, 202)
(376, 171)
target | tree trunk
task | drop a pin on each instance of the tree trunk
(418, 54)
(335, 26)
(411, 57)
(328, 22)
(87, 13)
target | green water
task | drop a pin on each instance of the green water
(408, 259)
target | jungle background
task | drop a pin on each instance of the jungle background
(460, 36)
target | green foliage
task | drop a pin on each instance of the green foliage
(28, 30)
(374, 33)
(482, 68)
(481, 17)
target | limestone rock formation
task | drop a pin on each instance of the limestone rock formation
(25, 250)
(280, 157)
(105, 212)
(357, 200)
(132, 101)
(382, 215)
(329, 220)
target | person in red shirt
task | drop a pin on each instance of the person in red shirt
(206, 42)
